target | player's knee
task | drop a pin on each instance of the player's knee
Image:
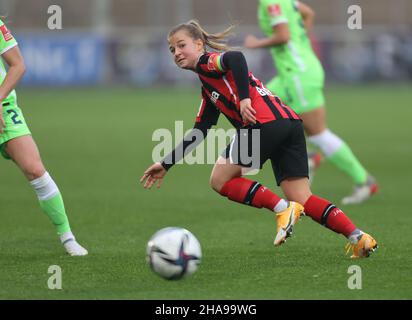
(34, 171)
(300, 197)
(216, 183)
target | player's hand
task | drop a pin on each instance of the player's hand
(154, 173)
(247, 112)
(2, 123)
(251, 42)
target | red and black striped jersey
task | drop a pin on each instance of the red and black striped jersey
(220, 95)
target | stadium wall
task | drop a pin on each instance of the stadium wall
(84, 58)
(107, 42)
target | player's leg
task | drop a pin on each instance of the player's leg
(23, 151)
(327, 214)
(338, 153)
(246, 151)
(227, 180)
(304, 93)
(291, 172)
(322, 211)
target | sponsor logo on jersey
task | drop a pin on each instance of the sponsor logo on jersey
(274, 10)
(214, 96)
(264, 92)
(6, 33)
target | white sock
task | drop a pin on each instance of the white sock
(327, 141)
(71, 245)
(67, 236)
(281, 206)
(45, 187)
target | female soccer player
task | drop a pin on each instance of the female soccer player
(16, 143)
(229, 88)
(300, 84)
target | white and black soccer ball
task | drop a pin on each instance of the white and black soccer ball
(173, 253)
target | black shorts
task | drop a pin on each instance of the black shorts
(282, 141)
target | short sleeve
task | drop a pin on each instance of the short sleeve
(7, 41)
(275, 11)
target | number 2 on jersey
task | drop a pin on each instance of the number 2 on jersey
(14, 116)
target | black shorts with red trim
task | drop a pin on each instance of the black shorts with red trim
(281, 141)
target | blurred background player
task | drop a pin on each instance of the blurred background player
(300, 82)
(16, 143)
(229, 88)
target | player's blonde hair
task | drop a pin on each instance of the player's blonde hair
(215, 41)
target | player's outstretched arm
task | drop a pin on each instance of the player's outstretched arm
(155, 173)
(280, 36)
(158, 170)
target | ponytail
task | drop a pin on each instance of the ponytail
(215, 41)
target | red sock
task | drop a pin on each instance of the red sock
(250, 192)
(325, 213)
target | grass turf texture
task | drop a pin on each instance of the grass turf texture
(96, 143)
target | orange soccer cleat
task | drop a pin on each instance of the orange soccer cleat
(363, 248)
(286, 220)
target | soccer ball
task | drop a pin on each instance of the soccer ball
(173, 253)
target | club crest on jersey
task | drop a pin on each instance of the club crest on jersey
(274, 10)
(6, 33)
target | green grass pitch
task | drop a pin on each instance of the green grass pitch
(96, 143)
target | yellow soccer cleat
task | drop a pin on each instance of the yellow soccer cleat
(286, 220)
(363, 248)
